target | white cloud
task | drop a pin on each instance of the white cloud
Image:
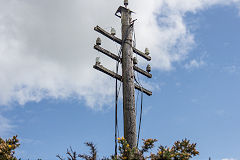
(220, 112)
(194, 64)
(233, 69)
(5, 126)
(229, 159)
(46, 46)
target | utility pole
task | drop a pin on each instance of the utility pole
(129, 113)
(129, 65)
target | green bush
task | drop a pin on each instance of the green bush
(181, 150)
(7, 148)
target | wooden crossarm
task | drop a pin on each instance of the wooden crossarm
(107, 71)
(115, 57)
(145, 73)
(108, 35)
(115, 75)
(119, 41)
(107, 53)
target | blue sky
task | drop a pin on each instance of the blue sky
(195, 95)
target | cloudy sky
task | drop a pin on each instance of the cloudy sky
(52, 97)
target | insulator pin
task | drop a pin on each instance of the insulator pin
(148, 68)
(135, 61)
(98, 61)
(147, 52)
(113, 32)
(98, 41)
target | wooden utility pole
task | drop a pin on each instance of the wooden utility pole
(129, 113)
(128, 68)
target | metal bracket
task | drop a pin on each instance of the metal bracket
(132, 22)
(120, 9)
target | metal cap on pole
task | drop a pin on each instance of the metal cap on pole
(126, 3)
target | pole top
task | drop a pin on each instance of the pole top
(126, 3)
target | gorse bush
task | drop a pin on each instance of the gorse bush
(7, 148)
(181, 150)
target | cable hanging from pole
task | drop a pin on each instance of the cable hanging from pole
(117, 91)
(138, 81)
(141, 110)
(140, 119)
(116, 117)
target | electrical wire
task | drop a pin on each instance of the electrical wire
(117, 91)
(138, 82)
(119, 55)
(134, 36)
(140, 119)
(116, 113)
(141, 109)
(137, 102)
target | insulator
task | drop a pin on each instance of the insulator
(113, 32)
(135, 61)
(148, 68)
(98, 60)
(98, 41)
(125, 2)
(147, 52)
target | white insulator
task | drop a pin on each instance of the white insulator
(148, 68)
(98, 60)
(135, 61)
(147, 52)
(98, 41)
(113, 32)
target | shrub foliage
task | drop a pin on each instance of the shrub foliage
(7, 148)
(181, 150)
